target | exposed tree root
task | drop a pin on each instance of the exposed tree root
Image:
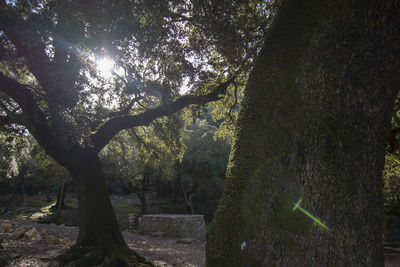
(90, 256)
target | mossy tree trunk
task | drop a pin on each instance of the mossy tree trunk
(313, 126)
(100, 239)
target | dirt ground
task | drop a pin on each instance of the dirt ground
(160, 251)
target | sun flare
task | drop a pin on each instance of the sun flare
(105, 66)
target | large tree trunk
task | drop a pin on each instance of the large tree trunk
(313, 126)
(99, 234)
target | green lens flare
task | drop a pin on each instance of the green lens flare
(296, 206)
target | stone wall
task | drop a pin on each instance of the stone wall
(174, 225)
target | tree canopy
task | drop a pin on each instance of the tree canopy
(49, 51)
(53, 83)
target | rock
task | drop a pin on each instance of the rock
(44, 234)
(185, 241)
(14, 256)
(391, 250)
(18, 233)
(38, 239)
(31, 234)
(51, 240)
(157, 234)
(7, 235)
(174, 225)
(7, 226)
(65, 241)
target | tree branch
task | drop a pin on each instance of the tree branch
(8, 120)
(116, 124)
(124, 110)
(22, 32)
(4, 120)
(33, 119)
(19, 93)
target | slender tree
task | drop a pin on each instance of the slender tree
(312, 131)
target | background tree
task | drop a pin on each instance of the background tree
(391, 189)
(15, 161)
(202, 169)
(391, 174)
(139, 156)
(26, 168)
(313, 126)
(49, 84)
(49, 173)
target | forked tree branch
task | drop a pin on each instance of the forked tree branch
(18, 92)
(116, 124)
(33, 118)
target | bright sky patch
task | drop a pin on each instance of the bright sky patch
(105, 66)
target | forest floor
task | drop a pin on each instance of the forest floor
(161, 251)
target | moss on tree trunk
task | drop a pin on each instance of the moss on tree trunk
(313, 125)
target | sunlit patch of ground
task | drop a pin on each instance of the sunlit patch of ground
(46, 208)
(164, 252)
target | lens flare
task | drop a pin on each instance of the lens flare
(296, 206)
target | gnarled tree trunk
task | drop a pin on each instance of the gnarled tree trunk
(99, 234)
(314, 122)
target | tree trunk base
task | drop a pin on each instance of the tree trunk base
(91, 256)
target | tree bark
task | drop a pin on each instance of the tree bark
(188, 196)
(99, 233)
(60, 205)
(313, 126)
(177, 188)
(22, 184)
(143, 202)
(48, 197)
(142, 188)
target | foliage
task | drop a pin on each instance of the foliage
(155, 44)
(22, 158)
(391, 171)
(205, 159)
(45, 171)
(153, 148)
(50, 85)
(391, 180)
(15, 155)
